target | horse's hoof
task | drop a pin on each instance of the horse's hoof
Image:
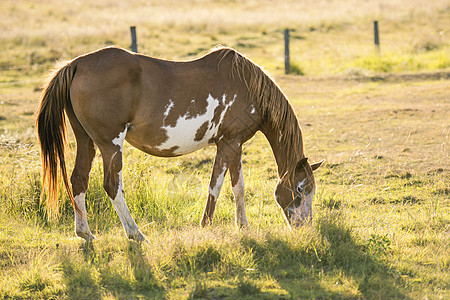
(87, 236)
(242, 226)
(205, 222)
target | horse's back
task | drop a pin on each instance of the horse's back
(105, 73)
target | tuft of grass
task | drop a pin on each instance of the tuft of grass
(247, 287)
(378, 245)
(200, 291)
(296, 69)
(331, 201)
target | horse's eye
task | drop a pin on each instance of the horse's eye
(299, 189)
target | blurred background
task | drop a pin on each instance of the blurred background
(327, 37)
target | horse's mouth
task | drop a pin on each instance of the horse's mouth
(297, 217)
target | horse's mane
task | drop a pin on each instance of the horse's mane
(273, 104)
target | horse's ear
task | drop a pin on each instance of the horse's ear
(301, 164)
(316, 165)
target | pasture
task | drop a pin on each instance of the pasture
(380, 120)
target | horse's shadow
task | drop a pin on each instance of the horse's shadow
(142, 270)
(81, 282)
(298, 270)
(88, 251)
(289, 265)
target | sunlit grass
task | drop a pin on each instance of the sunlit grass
(381, 219)
(380, 213)
(403, 62)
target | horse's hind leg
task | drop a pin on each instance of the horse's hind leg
(80, 176)
(112, 166)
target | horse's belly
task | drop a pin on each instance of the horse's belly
(180, 145)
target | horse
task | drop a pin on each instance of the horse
(167, 109)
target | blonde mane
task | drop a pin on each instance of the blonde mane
(273, 104)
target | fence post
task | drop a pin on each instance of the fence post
(133, 39)
(287, 66)
(376, 37)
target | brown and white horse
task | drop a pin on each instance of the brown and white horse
(168, 108)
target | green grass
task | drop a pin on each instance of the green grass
(381, 212)
(404, 62)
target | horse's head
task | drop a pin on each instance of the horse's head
(295, 194)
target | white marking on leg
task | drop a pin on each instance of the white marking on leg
(253, 109)
(124, 214)
(182, 134)
(239, 192)
(215, 191)
(119, 202)
(122, 209)
(81, 225)
(118, 141)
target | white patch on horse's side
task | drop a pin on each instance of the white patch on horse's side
(253, 109)
(182, 134)
(215, 191)
(118, 141)
(168, 108)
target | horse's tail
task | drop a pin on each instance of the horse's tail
(52, 134)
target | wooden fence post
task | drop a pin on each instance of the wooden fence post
(376, 37)
(287, 66)
(133, 39)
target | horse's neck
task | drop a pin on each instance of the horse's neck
(285, 158)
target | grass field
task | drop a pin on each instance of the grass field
(380, 120)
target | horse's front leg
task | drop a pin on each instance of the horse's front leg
(218, 175)
(238, 188)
